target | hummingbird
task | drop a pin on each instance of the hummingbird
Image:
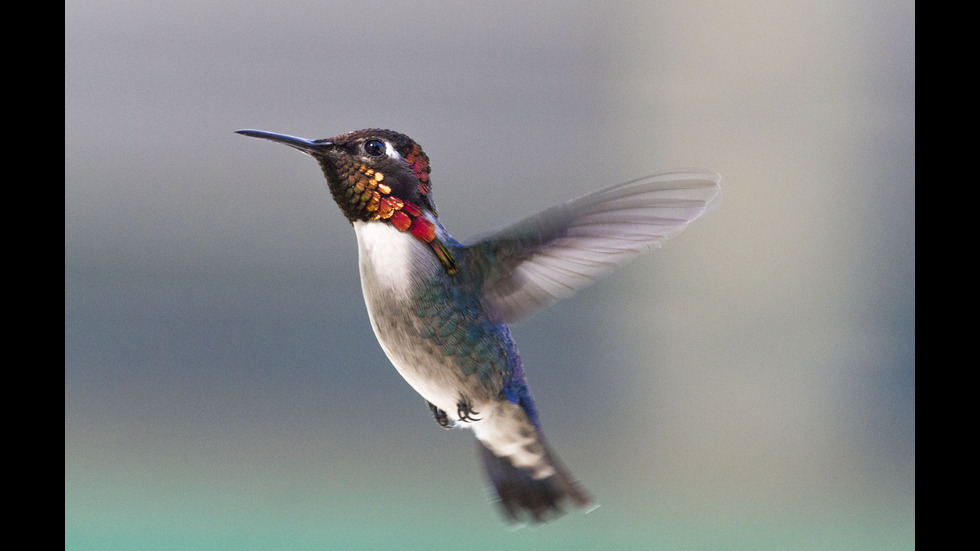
(440, 309)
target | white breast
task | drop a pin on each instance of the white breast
(393, 264)
(389, 258)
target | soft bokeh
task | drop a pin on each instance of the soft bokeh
(750, 386)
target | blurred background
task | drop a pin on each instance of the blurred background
(749, 386)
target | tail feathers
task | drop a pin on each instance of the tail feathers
(521, 495)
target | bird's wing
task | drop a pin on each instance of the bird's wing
(553, 254)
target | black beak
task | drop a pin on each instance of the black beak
(310, 147)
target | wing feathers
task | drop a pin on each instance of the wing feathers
(551, 255)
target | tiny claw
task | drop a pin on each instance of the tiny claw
(440, 416)
(465, 413)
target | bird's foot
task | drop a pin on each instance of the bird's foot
(440, 416)
(465, 412)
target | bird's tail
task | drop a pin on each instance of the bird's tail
(522, 494)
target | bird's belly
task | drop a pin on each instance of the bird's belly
(435, 349)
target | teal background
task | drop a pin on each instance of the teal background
(750, 386)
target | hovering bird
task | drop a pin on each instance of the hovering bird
(440, 308)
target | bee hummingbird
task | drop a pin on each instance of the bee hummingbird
(440, 308)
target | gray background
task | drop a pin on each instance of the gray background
(749, 386)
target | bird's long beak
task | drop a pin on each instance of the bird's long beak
(310, 147)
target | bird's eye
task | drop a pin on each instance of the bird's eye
(374, 148)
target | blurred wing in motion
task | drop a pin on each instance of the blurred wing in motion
(553, 254)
